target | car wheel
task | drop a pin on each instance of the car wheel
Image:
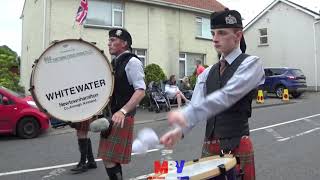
(28, 128)
(296, 94)
(279, 91)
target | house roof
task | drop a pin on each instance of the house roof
(211, 5)
(315, 15)
(207, 6)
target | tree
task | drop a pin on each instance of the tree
(8, 60)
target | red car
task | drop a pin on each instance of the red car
(19, 115)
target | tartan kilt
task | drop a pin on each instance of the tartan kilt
(83, 126)
(244, 151)
(117, 146)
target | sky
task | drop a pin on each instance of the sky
(10, 12)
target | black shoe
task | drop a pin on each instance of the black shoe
(91, 165)
(80, 168)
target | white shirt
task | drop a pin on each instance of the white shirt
(249, 75)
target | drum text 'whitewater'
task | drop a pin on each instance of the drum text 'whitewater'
(76, 89)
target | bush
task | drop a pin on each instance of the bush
(193, 80)
(8, 61)
(154, 73)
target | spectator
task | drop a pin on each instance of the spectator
(173, 92)
(199, 68)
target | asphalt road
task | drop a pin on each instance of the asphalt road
(286, 141)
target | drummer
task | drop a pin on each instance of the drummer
(129, 89)
(223, 96)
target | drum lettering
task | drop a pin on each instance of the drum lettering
(79, 88)
(86, 87)
(59, 93)
(90, 83)
(72, 90)
(66, 91)
(102, 82)
(50, 96)
(96, 84)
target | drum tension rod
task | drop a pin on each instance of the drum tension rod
(222, 169)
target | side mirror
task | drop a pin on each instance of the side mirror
(5, 100)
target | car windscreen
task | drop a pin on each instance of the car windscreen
(296, 72)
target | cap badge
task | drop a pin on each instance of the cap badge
(231, 19)
(118, 32)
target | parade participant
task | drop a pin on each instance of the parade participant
(129, 88)
(223, 96)
(85, 147)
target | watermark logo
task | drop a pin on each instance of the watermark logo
(163, 169)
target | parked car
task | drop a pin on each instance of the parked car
(278, 79)
(19, 115)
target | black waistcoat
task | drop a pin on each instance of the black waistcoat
(232, 122)
(122, 91)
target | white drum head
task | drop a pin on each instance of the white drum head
(72, 80)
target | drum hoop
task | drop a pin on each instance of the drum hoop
(210, 173)
(216, 172)
(35, 65)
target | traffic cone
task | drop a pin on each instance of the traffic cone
(285, 95)
(260, 98)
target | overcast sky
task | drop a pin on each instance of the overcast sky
(10, 11)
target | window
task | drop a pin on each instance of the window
(277, 72)
(203, 28)
(142, 54)
(263, 36)
(105, 13)
(187, 63)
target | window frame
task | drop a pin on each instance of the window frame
(263, 36)
(135, 51)
(185, 60)
(113, 10)
(200, 19)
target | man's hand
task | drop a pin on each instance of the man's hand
(177, 120)
(171, 138)
(118, 119)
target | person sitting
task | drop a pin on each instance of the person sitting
(173, 92)
(186, 88)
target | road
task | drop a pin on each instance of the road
(286, 141)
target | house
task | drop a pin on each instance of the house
(171, 33)
(286, 34)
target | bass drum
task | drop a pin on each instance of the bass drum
(72, 81)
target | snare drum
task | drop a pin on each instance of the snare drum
(72, 80)
(205, 168)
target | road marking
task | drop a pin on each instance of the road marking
(312, 122)
(152, 150)
(274, 133)
(300, 134)
(56, 166)
(53, 174)
(283, 123)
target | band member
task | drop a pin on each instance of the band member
(223, 96)
(129, 89)
(85, 147)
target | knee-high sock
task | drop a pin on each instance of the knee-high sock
(115, 173)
